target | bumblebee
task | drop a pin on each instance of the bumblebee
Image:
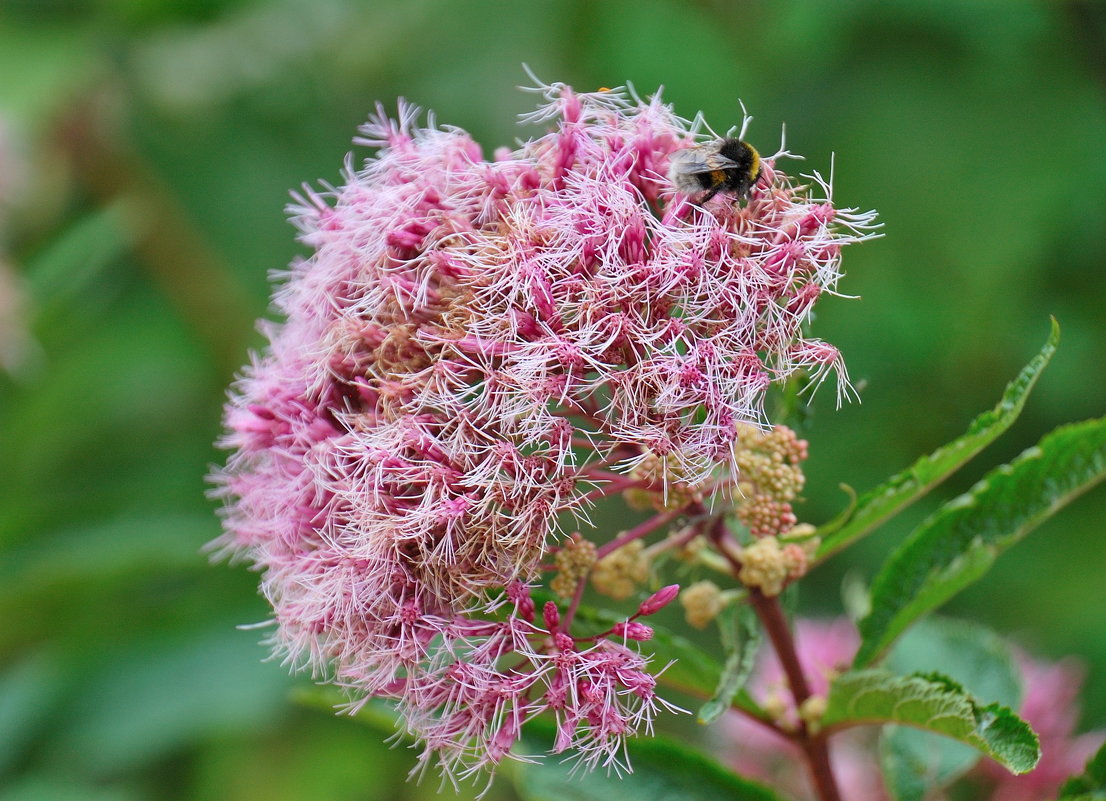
(728, 165)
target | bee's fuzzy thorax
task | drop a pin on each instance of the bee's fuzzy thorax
(729, 166)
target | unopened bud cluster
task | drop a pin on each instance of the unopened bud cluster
(619, 574)
(769, 478)
(666, 485)
(702, 601)
(768, 565)
(574, 561)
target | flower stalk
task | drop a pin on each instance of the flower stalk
(815, 745)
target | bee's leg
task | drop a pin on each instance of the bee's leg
(709, 195)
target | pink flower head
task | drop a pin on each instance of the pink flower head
(470, 344)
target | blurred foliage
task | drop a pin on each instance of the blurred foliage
(150, 145)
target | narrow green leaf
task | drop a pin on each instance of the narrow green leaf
(958, 544)
(934, 703)
(33, 695)
(64, 270)
(916, 762)
(663, 770)
(741, 639)
(877, 505)
(1090, 785)
(378, 714)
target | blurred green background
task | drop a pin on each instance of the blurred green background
(148, 147)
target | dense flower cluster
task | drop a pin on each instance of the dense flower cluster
(475, 351)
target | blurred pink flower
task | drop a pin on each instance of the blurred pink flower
(1051, 706)
(471, 352)
(826, 648)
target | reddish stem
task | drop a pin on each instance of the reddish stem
(570, 407)
(566, 621)
(690, 532)
(638, 531)
(814, 744)
(614, 484)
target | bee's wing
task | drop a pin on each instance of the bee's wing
(696, 159)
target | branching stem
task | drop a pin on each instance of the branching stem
(813, 743)
(638, 531)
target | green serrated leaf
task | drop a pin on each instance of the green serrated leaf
(879, 697)
(916, 762)
(980, 659)
(936, 677)
(663, 770)
(78, 257)
(692, 669)
(901, 490)
(1090, 785)
(741, 639)
(958, 544)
